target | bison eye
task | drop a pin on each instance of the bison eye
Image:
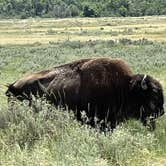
(152, 105)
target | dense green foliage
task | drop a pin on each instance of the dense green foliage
(87, 8)
(53, 136)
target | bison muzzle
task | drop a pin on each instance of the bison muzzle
(104, 88)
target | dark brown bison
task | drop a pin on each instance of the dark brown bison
(105, 88)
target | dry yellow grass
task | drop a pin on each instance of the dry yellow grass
(157, 162)
(45, 30)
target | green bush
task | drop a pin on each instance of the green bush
(54, 136)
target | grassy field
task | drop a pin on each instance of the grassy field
(55, 138)
(46, 30)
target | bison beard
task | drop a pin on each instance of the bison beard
(105, 88)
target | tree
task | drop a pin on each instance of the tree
(38, 8)
(85, 8)
(74, 11)
(88, 11)
(123, 11)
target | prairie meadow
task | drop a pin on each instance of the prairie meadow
(54, 137)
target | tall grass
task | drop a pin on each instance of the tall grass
(53, 136)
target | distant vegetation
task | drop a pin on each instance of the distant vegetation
(48, 30)
(83, 8)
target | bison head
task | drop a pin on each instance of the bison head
(16, 92)
(147, 96)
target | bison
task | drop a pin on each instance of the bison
(104, 88)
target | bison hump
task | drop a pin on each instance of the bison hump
(105, 72)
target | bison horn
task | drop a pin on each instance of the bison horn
(43, 87)
(143, 83)
(7, 85)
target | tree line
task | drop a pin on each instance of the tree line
(80, 8)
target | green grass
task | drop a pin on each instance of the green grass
(53, 136)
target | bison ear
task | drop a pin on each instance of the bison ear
(139, 82)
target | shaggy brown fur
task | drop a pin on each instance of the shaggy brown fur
(104, 88)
